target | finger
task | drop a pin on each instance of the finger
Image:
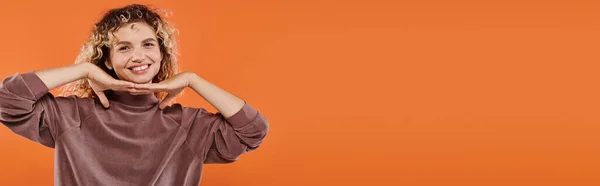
(125, 83)
(103, 99)
(165, 102)
(152, 86)
(141, 86)
(139, 92)
(121, 85)
(134, 91)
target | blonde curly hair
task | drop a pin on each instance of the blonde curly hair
(96, 49)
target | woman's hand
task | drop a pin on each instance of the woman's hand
(225, 102)
(101, 81)
(171, 86)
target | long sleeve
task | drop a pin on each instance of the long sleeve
(223, 140)
(29, 110)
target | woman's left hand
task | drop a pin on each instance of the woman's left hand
(172, 86)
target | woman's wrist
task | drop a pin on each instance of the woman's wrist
(87, 69)
(191, 78)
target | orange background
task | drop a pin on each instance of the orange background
(367, 92)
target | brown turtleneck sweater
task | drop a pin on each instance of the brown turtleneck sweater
(132, 142)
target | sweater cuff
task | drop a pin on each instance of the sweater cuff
(35, 84)
(243, 117)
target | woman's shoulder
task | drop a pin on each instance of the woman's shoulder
(186, 114)
(181, 110)
(73, 100)
(84, 105)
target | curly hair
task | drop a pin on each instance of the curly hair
(96, 49)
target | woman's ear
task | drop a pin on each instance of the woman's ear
(108, 65)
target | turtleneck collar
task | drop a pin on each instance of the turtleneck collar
(133, 100)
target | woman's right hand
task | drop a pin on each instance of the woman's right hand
(101, 81)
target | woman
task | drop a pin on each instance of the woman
(114, 126)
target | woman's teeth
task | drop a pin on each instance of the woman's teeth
(139, 68)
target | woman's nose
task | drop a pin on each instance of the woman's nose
(137, 56)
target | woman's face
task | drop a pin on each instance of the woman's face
(135, 53)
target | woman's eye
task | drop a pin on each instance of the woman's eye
(123, 48)
(149, 44)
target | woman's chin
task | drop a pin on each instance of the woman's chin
(139, 80)
(143, 81)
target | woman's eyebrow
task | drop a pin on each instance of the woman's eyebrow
(123, 43)
(129, 43)
(149, 39)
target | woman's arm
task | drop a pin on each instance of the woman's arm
(99, 80)
(216, 138)
(56, 77)
(224, 137)
(29, 110)
(225, 102)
